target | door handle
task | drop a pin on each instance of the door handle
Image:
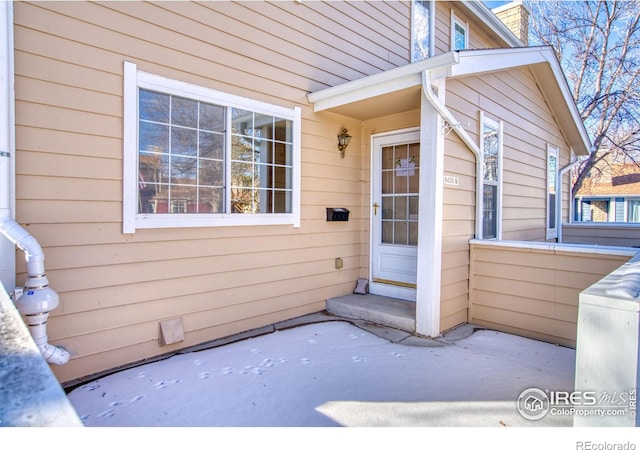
(375, 208)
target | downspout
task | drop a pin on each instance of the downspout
(464, 136)
(38, 298)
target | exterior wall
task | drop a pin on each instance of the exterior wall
(532, 289)
(619, 235)
(114, 288)
(514, 97)
(477, 38)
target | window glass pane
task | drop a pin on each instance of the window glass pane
(184, 112)
(210, 200)
(242, 200)
(282, 178)
(154, 106)
(421, 33)
(552, 211)
(490, 156)
(241, 122)
(184, 141)
(282, 202)
(489, 225)
(283, 130)
(242, 174)
(153, 137)
(211, 145)
(183, 199)
(552, 172)
(183, 170)
(460, 36)
(283, 154)
(211, 173)
(212, 118)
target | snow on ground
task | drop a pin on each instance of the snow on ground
(332, 374)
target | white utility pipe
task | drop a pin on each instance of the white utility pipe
(38, 298)
(464, 136)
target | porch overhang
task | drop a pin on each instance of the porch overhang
(381, 94)
(398, 89)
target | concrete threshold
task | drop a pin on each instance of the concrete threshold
(387, 311)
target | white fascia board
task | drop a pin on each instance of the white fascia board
(475, 62)
(378, 84)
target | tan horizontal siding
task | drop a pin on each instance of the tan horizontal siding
(616, 234)
(513, 97)
(115, 288)
(533, 292)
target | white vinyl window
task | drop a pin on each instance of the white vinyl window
(552, 192)
(198, 157)
(459, 33)
(422, 25)
(491, 146)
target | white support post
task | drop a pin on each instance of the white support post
(430, 218)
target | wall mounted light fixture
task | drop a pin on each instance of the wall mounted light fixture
(343, 141)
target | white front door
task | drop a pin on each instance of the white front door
(394, 214)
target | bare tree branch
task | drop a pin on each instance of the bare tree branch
(598, 45)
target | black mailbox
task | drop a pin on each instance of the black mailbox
(337, 215)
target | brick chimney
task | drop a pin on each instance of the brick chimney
(515, 15)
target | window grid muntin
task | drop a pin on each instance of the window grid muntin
(276, 196)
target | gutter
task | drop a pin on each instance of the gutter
(464, 136)
(38, 299)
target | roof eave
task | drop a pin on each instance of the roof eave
(396, 79)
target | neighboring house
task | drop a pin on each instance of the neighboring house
(176, 159)
(612, 196)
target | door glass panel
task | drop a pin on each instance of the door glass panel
(400, 208)
(400, 188)
(387, 208)
(387, 158)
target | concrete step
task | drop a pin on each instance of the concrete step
(377, 309)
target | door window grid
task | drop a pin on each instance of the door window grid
(399, 197)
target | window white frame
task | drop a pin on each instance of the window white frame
(486, 122)
(455, 21)
(429, 45)
(554, 186)
(132, 220)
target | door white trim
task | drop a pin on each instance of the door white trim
(401, 136)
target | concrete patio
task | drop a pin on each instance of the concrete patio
(321, 370)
